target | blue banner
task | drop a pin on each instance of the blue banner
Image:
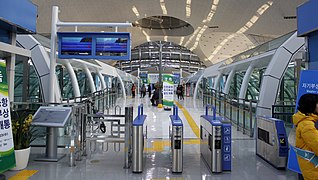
(20, 13)
(306, 18)
(307, 84)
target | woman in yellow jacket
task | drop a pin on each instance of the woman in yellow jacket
(306, 132)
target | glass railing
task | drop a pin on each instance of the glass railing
(268, 46)
(241, 112)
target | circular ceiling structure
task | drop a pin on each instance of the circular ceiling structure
(165, 26)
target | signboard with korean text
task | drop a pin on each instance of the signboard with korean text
(153, 78)
(168, 90)
(94, 45)
(7, 158)
(144, 78)
(307, 84)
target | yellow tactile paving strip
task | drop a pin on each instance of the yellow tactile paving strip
(23, 175)
(159, 145)
(190, 120)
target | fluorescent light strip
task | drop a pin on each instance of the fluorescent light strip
(188, 8)
(147, 37)
(163, 7)
(198, 38)
(181, 40)
(134, 9)
(212, 11)
(243, 29)
(165, 38)
(190, 39)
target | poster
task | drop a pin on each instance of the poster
(7, 159)
(168, 90)
(143, 78)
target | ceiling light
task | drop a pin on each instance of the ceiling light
(163, 7)
(188, 8)
(243, 29)
(165, 38)
(181, 40)
(134, 9)
(147, 37)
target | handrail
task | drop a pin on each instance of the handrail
(241, 112)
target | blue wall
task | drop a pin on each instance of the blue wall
(307, 20)
(313, 50)
(20, 13)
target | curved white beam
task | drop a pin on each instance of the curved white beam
(196, 87)
(90, 79)
(246, 79)
(73, 77)
(217, 81)
(228, 81)
(102, 79)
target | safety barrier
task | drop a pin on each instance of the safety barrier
(138, 139)
(240, 112)
(215, 141)
(176, 139)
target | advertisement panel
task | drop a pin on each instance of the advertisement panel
(168, 90)
(7, 158)
(307, 84)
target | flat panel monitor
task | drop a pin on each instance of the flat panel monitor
(104, 46)
(51, 116)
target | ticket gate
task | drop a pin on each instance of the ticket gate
(176, 139)
(215, 142)
(271, 141)
(138, 139)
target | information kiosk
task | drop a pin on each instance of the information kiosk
(52, 117)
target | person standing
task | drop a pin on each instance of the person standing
(179, 91)
(133, 90)
(149, 90)
(143, 91)
(307, 134)
(182, 92)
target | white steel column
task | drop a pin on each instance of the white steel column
(90, 79)
(246, 79)
(73, 77)
(217, 81)
(11, 69)
(228, 81)
(102, 79)
(53, 52)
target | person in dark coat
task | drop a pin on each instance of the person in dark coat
(155, 97)
(149, 90)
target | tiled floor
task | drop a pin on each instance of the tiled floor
(109, 165)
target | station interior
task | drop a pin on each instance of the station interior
(154, 89)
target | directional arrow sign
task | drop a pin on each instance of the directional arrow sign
(227, 130)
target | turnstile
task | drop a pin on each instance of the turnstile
(215, 142)
(176, 139)
(138, 136)
(271, 141)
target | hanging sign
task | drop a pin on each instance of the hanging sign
(143, 78)
(168, 90)
(7, 158)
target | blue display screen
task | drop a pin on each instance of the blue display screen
(108, 46)
(81, 46)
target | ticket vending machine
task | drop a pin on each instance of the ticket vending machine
(271, 141)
